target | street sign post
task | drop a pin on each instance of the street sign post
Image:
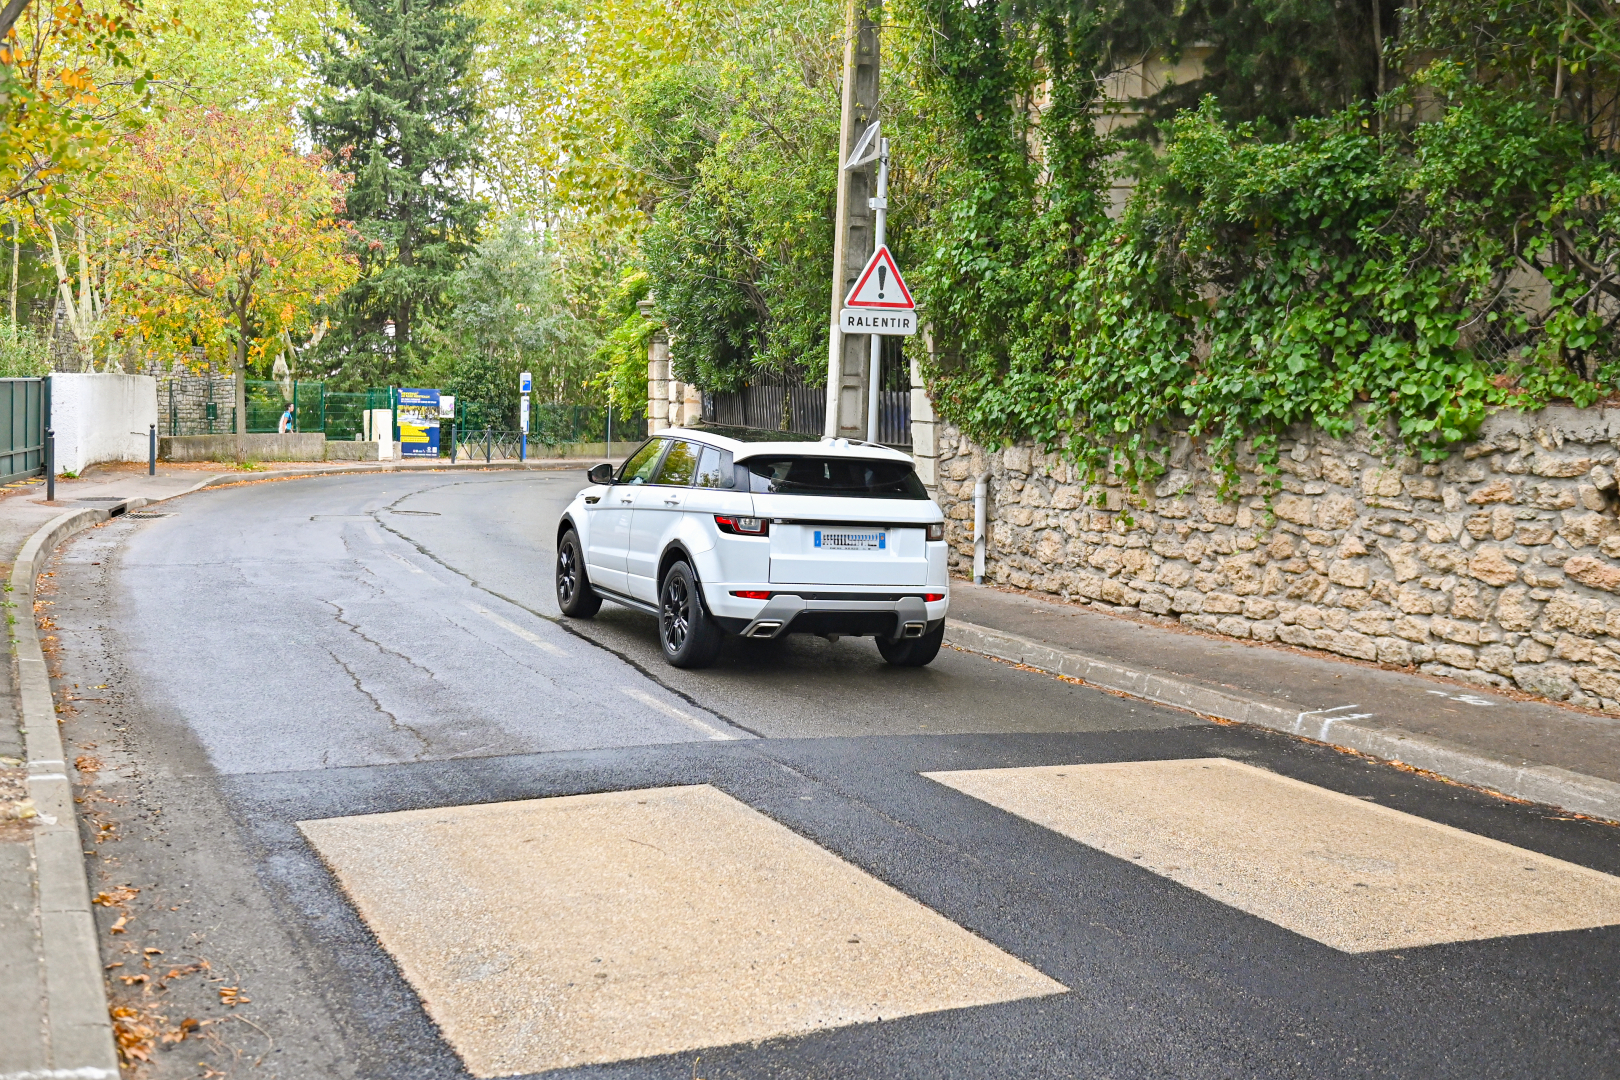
(525, 385)
(879, 303)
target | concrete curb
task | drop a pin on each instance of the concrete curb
(78, 1028)
(1536, 783)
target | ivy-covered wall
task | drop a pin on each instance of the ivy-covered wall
(1498, 564)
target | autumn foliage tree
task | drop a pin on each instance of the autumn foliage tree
(230, 237)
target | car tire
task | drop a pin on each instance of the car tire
(913, 652)
(689, 635)
(575, 596)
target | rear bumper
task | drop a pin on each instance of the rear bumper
(892, 615)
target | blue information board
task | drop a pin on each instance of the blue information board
(419, 423)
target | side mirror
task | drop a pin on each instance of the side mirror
(601, 474)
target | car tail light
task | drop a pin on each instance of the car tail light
(936, 530)
(751, 594)
(742, 526)
(931, 597)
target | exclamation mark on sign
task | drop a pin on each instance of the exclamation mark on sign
(883, 272)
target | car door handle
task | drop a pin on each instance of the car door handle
(676, 501)
(626, 502)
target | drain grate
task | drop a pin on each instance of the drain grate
(149, 513)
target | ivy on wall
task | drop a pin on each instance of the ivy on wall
(1451, 246)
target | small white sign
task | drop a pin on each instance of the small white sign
(880, 286)
(868, 321)
(523, 415)
(447, 406)
(525, 382)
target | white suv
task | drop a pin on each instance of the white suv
(721, 530)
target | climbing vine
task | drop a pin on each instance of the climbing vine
(1447, 247)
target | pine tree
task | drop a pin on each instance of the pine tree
(401, 114)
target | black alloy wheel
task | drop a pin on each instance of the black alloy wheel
(575, 596)
(690, 638)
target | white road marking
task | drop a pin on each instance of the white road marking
(1466, 699)
(533, 639)
(587, 929)
(1353, 875)
(403, 561)
(1326, 724)
(670, 710)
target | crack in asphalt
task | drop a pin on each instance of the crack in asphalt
(393, 721)
(379, 646)
(561, 623)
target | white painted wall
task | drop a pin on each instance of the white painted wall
(101, 418)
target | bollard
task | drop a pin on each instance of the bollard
(151, 449)
(489, 444)
(452, 443)
(50, 464)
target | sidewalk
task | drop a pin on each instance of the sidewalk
(53, 1010)
(1527, 749)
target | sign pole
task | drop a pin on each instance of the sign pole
(525, 385)
(880, 216)
(852, 240)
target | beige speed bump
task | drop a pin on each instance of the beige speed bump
(597, 928)
(1353, 875)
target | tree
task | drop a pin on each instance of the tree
(230, 238)
(58, 64)
(739, 247)
(510, 316)
(400, 115)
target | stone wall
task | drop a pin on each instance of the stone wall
(183, 399)
(1499, 565)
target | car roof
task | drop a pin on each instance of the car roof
(755, 442)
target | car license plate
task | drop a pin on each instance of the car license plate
(851, 541)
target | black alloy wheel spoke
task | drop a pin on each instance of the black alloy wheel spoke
(565, 574)
(676, 614)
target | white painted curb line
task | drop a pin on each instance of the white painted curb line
(1538, 783)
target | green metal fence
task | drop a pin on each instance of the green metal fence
(552, 424)
(22, 428)
(338, 414)
(341, 415)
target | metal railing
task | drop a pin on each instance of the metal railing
(785, 404)
(481, 444)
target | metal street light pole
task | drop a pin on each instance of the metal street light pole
(880, 215)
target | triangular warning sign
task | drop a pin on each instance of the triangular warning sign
(880, 285)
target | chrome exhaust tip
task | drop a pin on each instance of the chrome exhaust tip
(913, 629)
(764, 629)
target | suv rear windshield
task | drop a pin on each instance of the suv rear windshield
(841, 476)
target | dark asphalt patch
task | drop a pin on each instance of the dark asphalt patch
(1164, 981)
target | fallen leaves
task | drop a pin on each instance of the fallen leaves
(121, 894)
(134, 1036)
(86, 763)
(118, 927)
(232, 996)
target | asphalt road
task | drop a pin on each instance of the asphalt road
(282, 652)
